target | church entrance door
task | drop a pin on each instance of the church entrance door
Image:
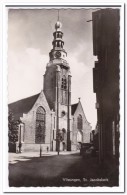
(79, 140)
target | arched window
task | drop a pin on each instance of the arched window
(79, 122)
(40, 126)
(79, 137)
(64, 134)
(64, 83)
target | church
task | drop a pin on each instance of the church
(48, 114)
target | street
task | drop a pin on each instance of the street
(66, 169)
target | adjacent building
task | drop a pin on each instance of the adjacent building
(106, 37)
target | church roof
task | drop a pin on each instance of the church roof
(22, 106)
(73, 108)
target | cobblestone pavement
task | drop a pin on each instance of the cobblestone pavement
(66, 169)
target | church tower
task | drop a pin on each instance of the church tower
(57, 85)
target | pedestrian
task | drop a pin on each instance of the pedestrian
(47, 148)
(20, 146)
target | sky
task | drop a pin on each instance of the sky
(30, 36)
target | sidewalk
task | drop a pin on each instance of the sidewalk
(15, 157)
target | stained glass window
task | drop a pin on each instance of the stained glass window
(79, 122)
(40, 126)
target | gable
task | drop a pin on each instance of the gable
(41, 101)
(79, 110)
(22, 106)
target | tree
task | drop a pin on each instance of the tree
(12, 128)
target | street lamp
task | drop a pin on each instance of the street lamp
(40, 150)
(20, 136)
(51, 132)
(20, 144)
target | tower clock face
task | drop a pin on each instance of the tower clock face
(57, 54)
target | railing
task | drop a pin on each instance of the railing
(58, 61)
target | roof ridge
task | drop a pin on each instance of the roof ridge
(73, 108)
(24, 98)
(74, 104)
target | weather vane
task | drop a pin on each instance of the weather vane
(79, 98)
(58, 14)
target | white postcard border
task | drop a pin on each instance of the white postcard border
(5, 100)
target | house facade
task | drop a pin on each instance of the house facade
(106, 80)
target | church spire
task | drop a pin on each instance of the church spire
(58, 51)
(58, 35)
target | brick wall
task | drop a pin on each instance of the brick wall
(29, 120)
(86, 126)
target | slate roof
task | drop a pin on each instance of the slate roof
(73, 108)
(22, 106)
